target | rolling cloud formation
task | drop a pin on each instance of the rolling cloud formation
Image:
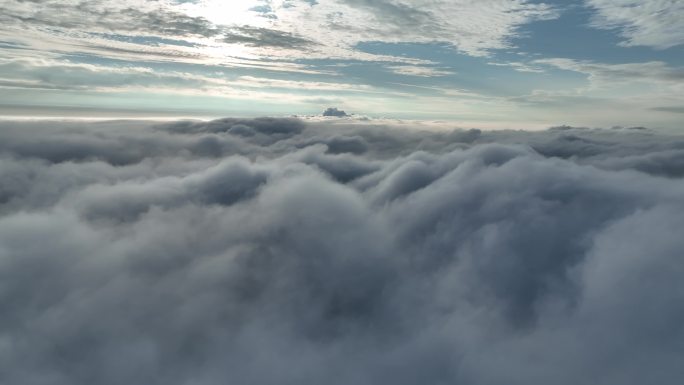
(279, 251)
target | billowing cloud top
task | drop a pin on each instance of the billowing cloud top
(276, 251)
(514, 63)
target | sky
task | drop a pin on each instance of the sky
(485, 64)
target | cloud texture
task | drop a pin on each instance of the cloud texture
(276, 251)
(653, 23)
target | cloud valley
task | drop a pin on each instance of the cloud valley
(280, 251)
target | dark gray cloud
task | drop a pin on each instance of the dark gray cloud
(274, 251)
(101, 16)
(675, 109)
(333, 111)
(265, 37)
(397, 15)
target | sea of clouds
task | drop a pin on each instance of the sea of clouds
(281, 251)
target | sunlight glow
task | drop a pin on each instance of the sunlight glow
(232, 12)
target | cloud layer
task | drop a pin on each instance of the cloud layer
(276, 251)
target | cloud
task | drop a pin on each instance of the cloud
(675, 109)
(332, 111)
(419, 71)
(620, 73)
(148, 17)
(279, 30)
(640, 85)
(479, 27)
(264, 37)
(276, 251)
(655, 23)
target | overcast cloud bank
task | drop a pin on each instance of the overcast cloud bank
(275, 251)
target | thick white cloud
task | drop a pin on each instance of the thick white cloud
(272, 251)
(653, 23)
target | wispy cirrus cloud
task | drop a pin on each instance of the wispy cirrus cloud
(622, 92)
(328, 28)
(470, 27)
(654, 23)
(607, 73)
(419, 71)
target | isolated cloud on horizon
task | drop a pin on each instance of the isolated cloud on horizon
(333, 111)
(276, 251)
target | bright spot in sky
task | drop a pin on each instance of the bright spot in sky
(240, 12)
